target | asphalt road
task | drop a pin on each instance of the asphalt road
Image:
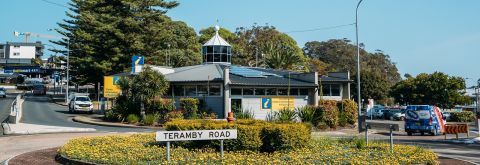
(5, 109)
(39, 110)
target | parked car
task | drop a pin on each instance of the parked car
(3, 92)
(80, 103)
(399, 115)
(389, 114)
(424, 119)
(446, 115)
(39, 89)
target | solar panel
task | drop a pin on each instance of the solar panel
(247, 72)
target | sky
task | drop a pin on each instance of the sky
(419, 36)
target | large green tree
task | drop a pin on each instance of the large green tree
(378, 72)
(104, 34)
(269, 47)
(433, 89)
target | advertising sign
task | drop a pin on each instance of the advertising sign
(111, 88)
(168, 136)
(137, 63)
(278, 103)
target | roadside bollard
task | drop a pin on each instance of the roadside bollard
(366, 133)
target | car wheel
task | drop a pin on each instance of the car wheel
(409, 133)
(391, 117)
(402, 118)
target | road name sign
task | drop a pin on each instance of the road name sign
(196, 135)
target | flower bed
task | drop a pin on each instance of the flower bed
(142, 149)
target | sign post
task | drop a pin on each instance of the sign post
(169, 136)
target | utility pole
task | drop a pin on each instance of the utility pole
(358, 68)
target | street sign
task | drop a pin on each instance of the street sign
(169, 136)
(196, 135)
(278, 103)
(137, 63)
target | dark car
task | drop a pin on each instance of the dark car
(388, 114)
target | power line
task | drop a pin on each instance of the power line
(322, 28)
(54, 3)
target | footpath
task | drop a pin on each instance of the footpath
(16, 127)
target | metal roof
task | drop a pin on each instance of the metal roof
(216, 40)
(196, 73)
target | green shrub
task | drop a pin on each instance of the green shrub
(290, 136)
(308, 114)
(211, 115)
(342, 120)
(252, 134)
(285, 115)
(464, 116)
(111, 115)
(350, 110)
(330, 113)
(132, 119)
(240, 113)
(161, 106)
(151, 119)
(190, 106)
(173, 115)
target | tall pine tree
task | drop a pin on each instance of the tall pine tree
(104, 34)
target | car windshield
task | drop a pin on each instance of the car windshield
(82, 99)
(2, 89)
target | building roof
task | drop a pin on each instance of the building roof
(216, 40)
(196, 73)
(335, 77)
(36, 44)
(214, 72)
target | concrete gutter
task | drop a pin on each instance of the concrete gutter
(88, 120)
(30, 129)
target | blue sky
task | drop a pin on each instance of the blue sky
(420, 36)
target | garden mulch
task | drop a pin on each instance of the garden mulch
(47, 157)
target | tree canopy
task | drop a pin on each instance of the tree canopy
(104, 34)
(378, 72)
(437, 89)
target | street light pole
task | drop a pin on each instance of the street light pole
(68, 66)
(358, 67)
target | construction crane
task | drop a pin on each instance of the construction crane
(30, 34)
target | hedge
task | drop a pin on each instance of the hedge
(190, 106)
(464, 116)
(254, 135)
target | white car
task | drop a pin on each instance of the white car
(80, 104)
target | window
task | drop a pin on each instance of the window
(178, 90)
(216, 49)
(259, 91)
(204, 50)
(270, 91)
(331, 89)
(236, 105)
(247, 91)
(326, 90)
(191, 90)
(169, 91)
(216, 58)
(303, 91)
(335, 89)
(236, 91)
(293, 91)
(214, 90)
(224, 58)
(209, 49)
(202, 90)
(282, 92)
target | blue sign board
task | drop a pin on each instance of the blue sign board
(266, 103)
(22, 69)
(137, 61)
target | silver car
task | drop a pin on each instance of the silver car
(3, 92)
